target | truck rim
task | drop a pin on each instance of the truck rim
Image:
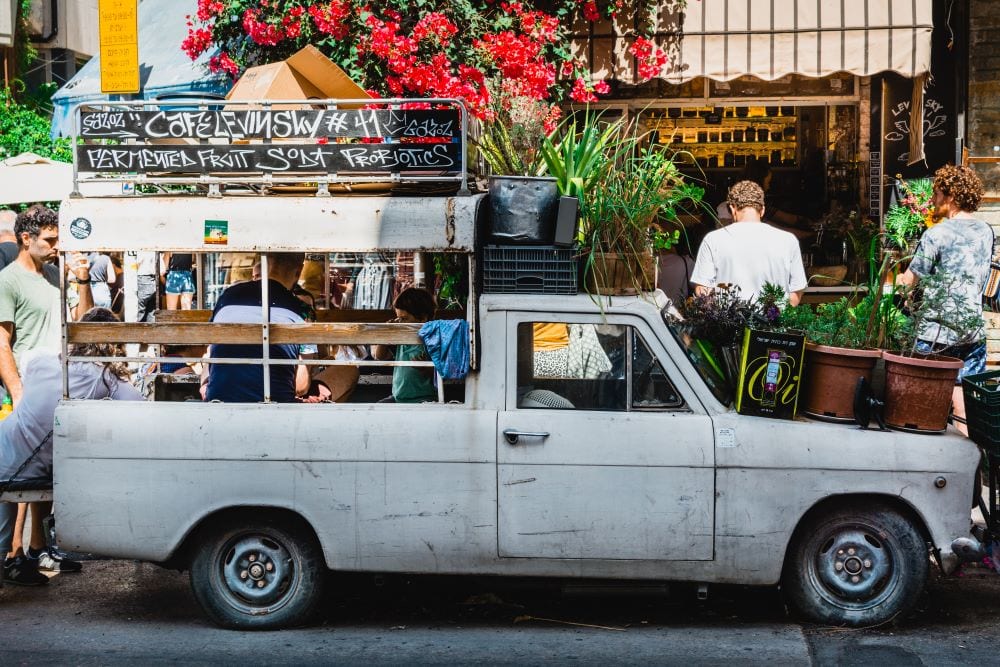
(258, 573)
(854, 567)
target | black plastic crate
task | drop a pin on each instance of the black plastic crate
(982, 409)
(529, 270)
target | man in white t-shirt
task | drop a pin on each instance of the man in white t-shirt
(749, 253)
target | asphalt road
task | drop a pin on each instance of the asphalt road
(119, 612)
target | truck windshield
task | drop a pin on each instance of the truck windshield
(707, 361)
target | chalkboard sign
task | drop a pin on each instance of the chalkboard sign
(270, 158)
(271, 124)
(940, 126)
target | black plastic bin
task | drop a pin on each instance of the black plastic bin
(529, 270)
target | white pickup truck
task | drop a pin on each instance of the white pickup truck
(632, 467)
(625, 461)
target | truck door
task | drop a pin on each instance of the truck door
(602, 451)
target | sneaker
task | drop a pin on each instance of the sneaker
(22, 571)
(50, 559)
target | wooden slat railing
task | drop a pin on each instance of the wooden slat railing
(331, 315)
(203, 333)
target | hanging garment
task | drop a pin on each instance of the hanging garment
(447, 343)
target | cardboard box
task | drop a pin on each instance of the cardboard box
(770, 374)
(306, 75)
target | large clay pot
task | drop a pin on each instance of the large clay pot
(618, 274)
(918, 391)
(831, 376)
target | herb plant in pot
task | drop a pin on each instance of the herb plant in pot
(523, 202)
(919, 387)
(642, 190)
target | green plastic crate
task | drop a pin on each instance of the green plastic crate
(982, 409)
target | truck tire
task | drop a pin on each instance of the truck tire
(856, 566)
(258, 574)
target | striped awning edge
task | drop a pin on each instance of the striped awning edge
(726, 39)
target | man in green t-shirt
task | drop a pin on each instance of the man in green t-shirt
(30, 320)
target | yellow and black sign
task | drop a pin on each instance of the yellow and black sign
(119, 36)
(770, 374)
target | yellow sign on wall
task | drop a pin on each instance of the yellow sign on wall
(119, 37)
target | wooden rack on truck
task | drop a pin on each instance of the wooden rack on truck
(315, 176)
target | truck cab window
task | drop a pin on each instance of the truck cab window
(566, 365)
(651, 388)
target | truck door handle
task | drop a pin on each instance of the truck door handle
(511, 435)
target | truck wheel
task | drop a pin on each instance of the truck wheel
(856, 567)
(258, 575)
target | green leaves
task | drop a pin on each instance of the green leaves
(22, 129)
(580, 152)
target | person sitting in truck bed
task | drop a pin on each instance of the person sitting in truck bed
(26, 435)
(241, 303)
(410, 384)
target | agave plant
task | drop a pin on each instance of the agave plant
(582, 150)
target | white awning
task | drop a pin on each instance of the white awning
(8, 21)
(725, 39)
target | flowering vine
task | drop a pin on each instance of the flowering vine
(482, 51)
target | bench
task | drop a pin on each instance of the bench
(27, 491)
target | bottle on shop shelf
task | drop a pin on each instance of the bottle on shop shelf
(726, 137)
(729, 159)
(776, 135)
(738, 136)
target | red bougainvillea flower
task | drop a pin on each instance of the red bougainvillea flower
(197, 42)
(649, 57)
(223, 63)
(400, 48)
(582, 92)
(330, 18)
(209, 9)
(261, 32)
(434, 25)
(552, 119)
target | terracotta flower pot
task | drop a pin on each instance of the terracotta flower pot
(918, 391)
(831, 375)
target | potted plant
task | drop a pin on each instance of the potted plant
(623, 216)
(910, 215)
(715, 321)
(844, 340)
(919, 387)
(523, 200)
(631, 198)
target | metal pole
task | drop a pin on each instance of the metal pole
(265, 306)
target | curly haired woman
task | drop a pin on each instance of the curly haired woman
(960, 247)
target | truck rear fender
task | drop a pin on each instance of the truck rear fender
(181, 557)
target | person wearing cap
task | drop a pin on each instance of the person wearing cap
(749, 252)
